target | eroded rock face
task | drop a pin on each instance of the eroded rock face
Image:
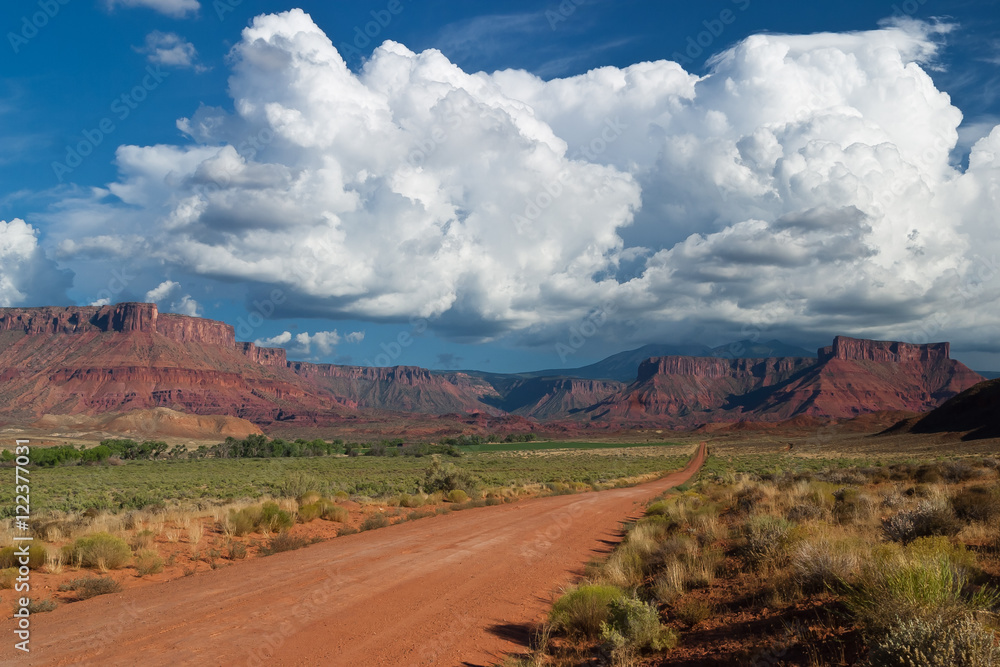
(92, 360)
(858, 349)
(850, 378)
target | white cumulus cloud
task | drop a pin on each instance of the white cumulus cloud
(806, 180)
(174, 8)
(27, 276)
(303, 343)
(171, 50)
(162, 291)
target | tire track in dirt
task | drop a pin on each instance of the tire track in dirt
(455, 589)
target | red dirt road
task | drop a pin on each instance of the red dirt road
(455, 589)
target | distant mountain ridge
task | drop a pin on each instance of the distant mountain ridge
(102, 360)
(624, 365)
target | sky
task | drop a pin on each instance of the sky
(509, 186)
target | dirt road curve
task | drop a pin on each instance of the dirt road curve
(456, 589)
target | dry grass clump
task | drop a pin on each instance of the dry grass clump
(89, 587)
(825, 564)
(101, 550)
(581, 610)
(268, 517)
(148, 562)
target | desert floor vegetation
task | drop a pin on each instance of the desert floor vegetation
(779, 560)
(136, 522)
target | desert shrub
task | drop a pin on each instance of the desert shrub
(634, 624)
(927, 519)
(148, 562)
(851, 506)
(747, 499)
(928, 474)
(934, 643)
(341, 495)
(893, 589)
(142, 540)
(693, 612)
(448, 477)
(670, 583)
(310, 512)
(818, 566)
(957, 471)
(347, 530)
(457, 496)
(309, 497)
(335, 513)
(420, 514)
(100, 550)
(8, 576)
(89, 587)
(406, 500)
(977, 503)
(41, 606)
(37, 555)
(766, 541)
(804, 512)
(377, 520)
(582, 610)
(283, 542)
(237, 551)
(274, 518)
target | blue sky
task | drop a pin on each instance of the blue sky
(641, 263)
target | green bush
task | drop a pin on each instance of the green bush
(457, 496)
(413, 501)
(100, 550)
(377, 520)
(268, 517)
(8, 577)
(582, 610)
(275, 519)
(448, 477)
(148, 562)
(237, 551)
(634, 624)
(89, 587)
(37, 555)
(310, 512)
(335, 513)
(934, 643)
(894, 590)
